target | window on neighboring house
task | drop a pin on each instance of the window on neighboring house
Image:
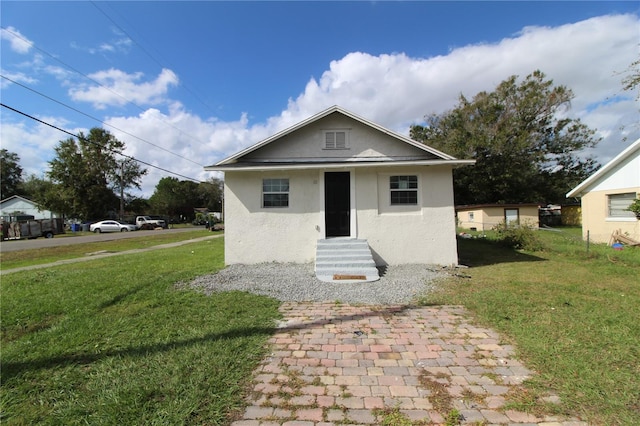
(470, 216)
(512, 216)
(336, 139)
(618, 204)
(275, 193)
(404, 190)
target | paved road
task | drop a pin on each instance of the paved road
(99, 255)
(14, 245)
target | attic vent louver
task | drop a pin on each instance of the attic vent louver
(335, 140)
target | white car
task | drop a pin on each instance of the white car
(111, 226)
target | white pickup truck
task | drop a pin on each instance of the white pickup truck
(145, 222)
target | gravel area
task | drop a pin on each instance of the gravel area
(297, 283)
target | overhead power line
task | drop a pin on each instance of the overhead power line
(153, 58)
(98, 120)
(98, 83)
(86, 140)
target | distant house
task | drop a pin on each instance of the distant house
(17, 205)
(339, 176)
(606, 195)
(483, 217)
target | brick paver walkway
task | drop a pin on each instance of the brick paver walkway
(334, 364)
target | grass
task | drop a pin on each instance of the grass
(117, 341)
(572, 314)
(20, 258)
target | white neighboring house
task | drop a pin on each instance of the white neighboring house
(19, 205)
(607, 193)
(337, 175)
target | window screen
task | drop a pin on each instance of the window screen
(619, 203)
(275, 193)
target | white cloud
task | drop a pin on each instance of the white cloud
(34, 144)
(119, 88)
(203, 144)
(17, 41)
(394, 90)
(18, 77)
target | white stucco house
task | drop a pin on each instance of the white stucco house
(337, 176)
(606, 195)
(17, 205)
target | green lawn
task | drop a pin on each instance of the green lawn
(573, 316)
(115, 341)
(20, 258)
(119, 340)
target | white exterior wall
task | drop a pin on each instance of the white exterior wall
(256, 235)
(308, 143)
(626, 175)
(423, 234)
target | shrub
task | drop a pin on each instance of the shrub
(520, 237)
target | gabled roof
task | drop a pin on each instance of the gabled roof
(631, 150)
(17, 197)
(441, 157)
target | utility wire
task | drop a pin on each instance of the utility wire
(87, 140)
(193, 93)
(97, 82)
(97, 119)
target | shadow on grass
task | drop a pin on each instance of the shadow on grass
(117, 299)
(482, 252)
(12, 369)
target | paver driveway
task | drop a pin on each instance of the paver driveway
(334, 364)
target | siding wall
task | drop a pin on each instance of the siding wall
(485, 218)
(595, 220)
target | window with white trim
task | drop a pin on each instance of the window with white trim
(617, 205)
(336, 139)
(275, 193)
(404, 190)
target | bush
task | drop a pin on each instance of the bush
(520, 237)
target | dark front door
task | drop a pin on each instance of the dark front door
(337, 203)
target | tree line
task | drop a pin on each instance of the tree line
(89, 179)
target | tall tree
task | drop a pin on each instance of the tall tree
(176, 198)
(86, 172)
(129, 174)
(526, 148)
(211, 194)
(10, 174)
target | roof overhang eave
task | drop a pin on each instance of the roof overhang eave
(339, 165)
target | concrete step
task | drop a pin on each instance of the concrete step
(342, 263)
(345, 260)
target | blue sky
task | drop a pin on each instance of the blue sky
(185, 84)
